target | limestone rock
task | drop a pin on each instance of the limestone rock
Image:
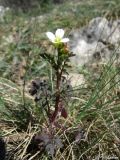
(97, 41)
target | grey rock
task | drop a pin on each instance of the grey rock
(75, 79)
(97, 41)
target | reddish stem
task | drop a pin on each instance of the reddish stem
(58, 75)
(57, 97)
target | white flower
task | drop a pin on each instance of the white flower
(57, 37)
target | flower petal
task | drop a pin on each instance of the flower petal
(65, 40)
(59, 33)
(51, 36)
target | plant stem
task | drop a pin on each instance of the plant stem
(58, 81)
(59, 72)
(57, 97)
